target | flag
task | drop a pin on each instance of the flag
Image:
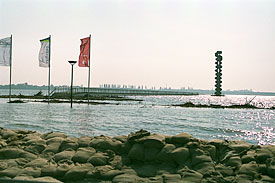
(84, 52)
(44, 53)
(5, 51)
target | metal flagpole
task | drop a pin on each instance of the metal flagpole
(49, 82)
(89, 70)
(10, 68)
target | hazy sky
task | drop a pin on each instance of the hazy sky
(144, 42)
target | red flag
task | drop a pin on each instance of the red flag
(84, 52)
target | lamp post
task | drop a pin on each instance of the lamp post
(72, 63)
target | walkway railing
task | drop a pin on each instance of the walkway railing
(122, 91)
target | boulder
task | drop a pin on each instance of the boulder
(106, 143)
(270, 165)
(205, 168)
(30, 171)
(125, 178)
(99, 159)
(68, 154)
(116, 162)
(39, 163)
(266, 179)
(12, 153)
(35, 148)
(247, 158)
(199, 156)
(49, 170)
(180, 155)
(243, 178)
(53, 135)
(251, 169)
(78, 172)
(165, 154)
(152, 141)
(150, 154)
(146, 170)
(83, 154)
(62, 169)
(6, 133)
(46, 179)
(84, 141)
(262, 154)
(51, 148)
(55, 140)
(136, 152)
(234, 161)
(133, 137)
(171, 178)
(239, 146)
(10, 172)
(68, 143)
(181, 138)
(224, 170)
(191, 176)
(211, 149)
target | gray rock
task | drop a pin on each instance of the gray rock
(52, 148)
(146, 170)
(68, 143)
(39, 162)
(49, 170)
(180, 155)
(78, 172)
(191, 176)
(165, 154)
(224, 170)
(171, 178)
(84, 141)
(251, 169)
(64, 155)
(30, 171)
(270, 164)
(234, 161)
(136, 152)
(46, 179)
(150, 154)
(83, 154)
(152, 141)
(181, 138)
(125, 178)
(54, 134)
(106, 143)
(98, 159)
(10, 172)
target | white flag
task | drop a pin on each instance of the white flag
(44, 53)
(5, 50)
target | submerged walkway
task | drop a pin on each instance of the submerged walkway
(121, 91)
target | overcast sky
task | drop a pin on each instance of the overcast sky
(144, 42)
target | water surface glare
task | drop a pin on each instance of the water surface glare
(256, 126)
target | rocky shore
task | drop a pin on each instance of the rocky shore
(140, 157)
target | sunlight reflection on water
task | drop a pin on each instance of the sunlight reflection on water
(252, 125)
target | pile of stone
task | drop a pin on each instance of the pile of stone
(136, 158)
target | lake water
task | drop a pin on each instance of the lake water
(154, 114)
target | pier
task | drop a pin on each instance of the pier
(78, 91)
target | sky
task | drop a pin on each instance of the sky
(144, 42)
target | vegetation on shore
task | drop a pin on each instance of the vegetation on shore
(235, 106)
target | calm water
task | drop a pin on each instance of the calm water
(153, 114)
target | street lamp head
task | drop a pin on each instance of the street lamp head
(72, 62)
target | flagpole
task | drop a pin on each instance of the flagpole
(89, 70)
(49, 82)
(10, 68)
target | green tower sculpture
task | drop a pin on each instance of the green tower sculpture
(218, 70)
